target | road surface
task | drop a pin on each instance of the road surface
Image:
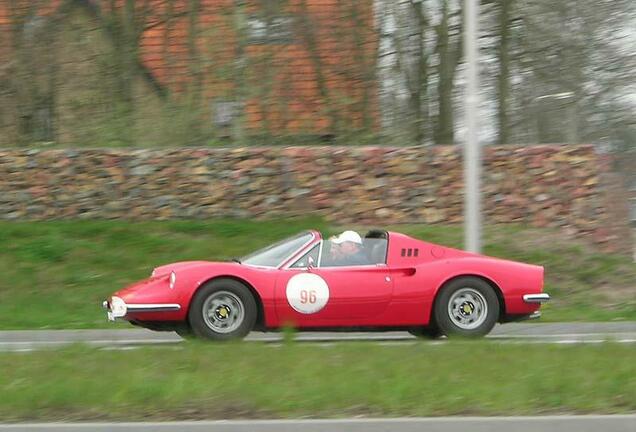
(618, 423)
(561, 333)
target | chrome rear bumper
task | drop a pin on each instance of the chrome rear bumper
(536, 298)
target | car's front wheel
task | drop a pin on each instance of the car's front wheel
(466, 306)
(223, 309)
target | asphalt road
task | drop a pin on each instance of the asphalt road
(560, 333)
(625, 423)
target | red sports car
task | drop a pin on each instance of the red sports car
(384, 281)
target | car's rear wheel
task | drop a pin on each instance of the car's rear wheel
(467, 307)
(223, 309)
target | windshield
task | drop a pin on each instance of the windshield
(274, 255)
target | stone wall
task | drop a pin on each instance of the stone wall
(543, 186)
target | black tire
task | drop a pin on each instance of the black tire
(198, 323)
(428, 332)
(471, 286)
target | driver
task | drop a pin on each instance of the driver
(346, 250)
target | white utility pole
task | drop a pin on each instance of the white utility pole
(472, 149)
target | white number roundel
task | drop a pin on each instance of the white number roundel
(307, 293)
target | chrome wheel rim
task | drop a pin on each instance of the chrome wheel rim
(223, 312)
(467, 308)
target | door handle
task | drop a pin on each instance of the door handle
(406, 271)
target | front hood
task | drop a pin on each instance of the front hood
(195, 270)
(189, 275)
(166, 269)
(147, 291)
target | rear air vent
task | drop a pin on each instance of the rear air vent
(410, 252)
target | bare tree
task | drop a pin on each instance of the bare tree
(32, 69)
(449, 49)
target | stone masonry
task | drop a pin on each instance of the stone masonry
(543, 186)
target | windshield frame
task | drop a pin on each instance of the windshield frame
(320, 243)
(278, 243)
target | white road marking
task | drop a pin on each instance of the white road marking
(527, 333)
(566, 423)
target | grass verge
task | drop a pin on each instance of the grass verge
(250, 380)
(55, 274)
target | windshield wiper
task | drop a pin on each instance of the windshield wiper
(236, 260)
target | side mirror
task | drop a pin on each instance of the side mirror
(310, 263)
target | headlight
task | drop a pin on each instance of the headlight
(118, 307)
(173, 279)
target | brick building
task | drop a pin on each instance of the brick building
(285, 66)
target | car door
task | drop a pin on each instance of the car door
(332, 296)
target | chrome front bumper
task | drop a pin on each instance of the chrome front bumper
(137, 307)
(536, 298)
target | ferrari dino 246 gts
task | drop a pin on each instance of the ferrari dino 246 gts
(384, 281)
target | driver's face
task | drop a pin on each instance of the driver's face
(349, 248)
(335, 250)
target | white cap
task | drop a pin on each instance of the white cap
(348, 236)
